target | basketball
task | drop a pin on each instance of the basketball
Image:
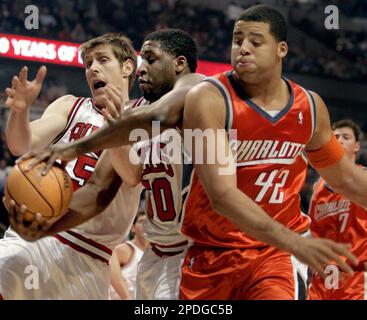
(49, 195)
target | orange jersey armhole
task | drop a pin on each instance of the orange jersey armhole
(327, 155)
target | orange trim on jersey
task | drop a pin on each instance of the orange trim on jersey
(328, 155)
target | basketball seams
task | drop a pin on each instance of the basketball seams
(61, 193)
(35, 188)
(10, 195)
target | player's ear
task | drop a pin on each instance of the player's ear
(127, 67)
(282, 49)
(181, 64)
(357, 147)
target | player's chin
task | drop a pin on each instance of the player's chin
(249, 68)
(98, 97)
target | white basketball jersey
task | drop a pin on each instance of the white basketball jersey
(112, 225)
(162, 180)
(130, 270)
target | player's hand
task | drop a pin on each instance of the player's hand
(111, 101)
(49, 155)
(23, 93)
(28, 230)
(318, 253)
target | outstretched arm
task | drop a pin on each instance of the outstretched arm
(167, 110)
(21, 134)
(205, 109)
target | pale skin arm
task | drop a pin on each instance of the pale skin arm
(205, 109)
(120, 256)
(344, 177)
(24, 136)
(167, 110)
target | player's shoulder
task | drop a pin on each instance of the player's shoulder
(64, 104)
(189, 79)
(204, 87)
(68, 99)
(124, 250)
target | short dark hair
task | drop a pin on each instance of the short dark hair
(266, 14)
(349, 124)
(121, 46)
(138, 215)
(177, 43)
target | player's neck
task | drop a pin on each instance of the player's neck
(272, 94)
(125, 93)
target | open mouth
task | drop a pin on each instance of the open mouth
(98, 84)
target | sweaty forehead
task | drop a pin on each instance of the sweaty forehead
(99, 50)
(243, 27)
(151, 46)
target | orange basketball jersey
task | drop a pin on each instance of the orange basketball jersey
(335, 217)
(270, 160)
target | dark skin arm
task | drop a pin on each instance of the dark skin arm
(167, 110)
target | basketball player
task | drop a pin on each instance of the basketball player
(314, 253)
(168, 61)
(72, 264)
(335, 217)
(125, 259)
(235, 255)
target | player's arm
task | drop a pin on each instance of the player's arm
(21, 135)
(127, 164)
(92, 199)
(327, 156)
(205, 109)
(168, 110)
(120, 257)
(124, 158)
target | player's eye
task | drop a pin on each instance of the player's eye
(237, 42)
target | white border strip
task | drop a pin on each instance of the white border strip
(85, 245)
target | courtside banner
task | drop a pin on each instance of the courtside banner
(67, 53)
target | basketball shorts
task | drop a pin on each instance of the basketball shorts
(49, 269)
(158, 277)
(242, 274)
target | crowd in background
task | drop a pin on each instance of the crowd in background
(81, 19)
